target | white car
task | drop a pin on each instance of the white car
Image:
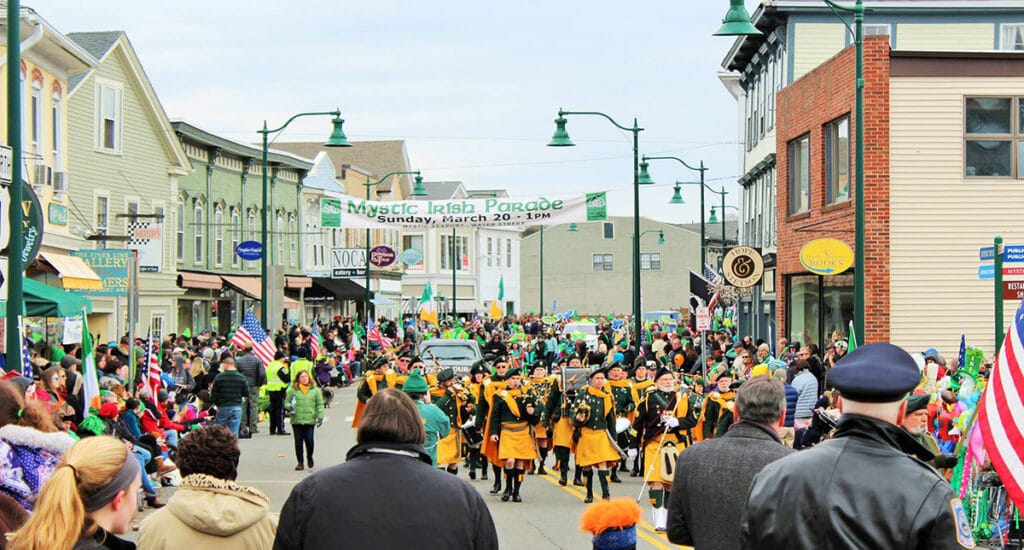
(588, 329)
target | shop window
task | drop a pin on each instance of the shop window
(837, 160)
(800, 175)
(992, 133)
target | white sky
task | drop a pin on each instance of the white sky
(472, 87)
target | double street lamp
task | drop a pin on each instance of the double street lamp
(337, 139)
(366, 291)
(640, 177)
(737, 23)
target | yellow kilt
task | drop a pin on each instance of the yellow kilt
(562, 433)
(652, 458)
(449, 449)
(516, 442)
(594, 447)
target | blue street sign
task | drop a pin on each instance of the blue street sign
(249, 251)
(986, 272)
(1011, 253)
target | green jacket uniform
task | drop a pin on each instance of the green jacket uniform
(308, 408)
(599, 418)
(503, 414)
(437, 426)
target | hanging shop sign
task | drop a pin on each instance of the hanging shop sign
(330, 213)
(826, 257)
(359, 213)
(382, 256)
(249, 251)
(743, 266)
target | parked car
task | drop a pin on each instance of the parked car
(589, 331)
(460, 355)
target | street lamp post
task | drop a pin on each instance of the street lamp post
(366, 291)
(542, 272)
(15, 267)
(737, 23)
(337, 139)
(677, 199)
(640, 177)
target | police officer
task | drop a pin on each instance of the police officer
(830, 496)
(277, 383)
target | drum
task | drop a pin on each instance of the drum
(667, 460)
(621, 425)
(472, 436)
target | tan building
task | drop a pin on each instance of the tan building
(591, 269)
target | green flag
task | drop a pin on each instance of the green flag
(853, 339)
(90, 380)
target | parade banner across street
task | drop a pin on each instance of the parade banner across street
(359, 213)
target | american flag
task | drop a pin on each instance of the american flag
(716, 280)
(152, 365)
(1001, 411)
(375, 335)
(314, 340)
(251, 332)
(26, 363)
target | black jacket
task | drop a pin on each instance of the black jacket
(860, 489)
(711, 483)
(385, 500)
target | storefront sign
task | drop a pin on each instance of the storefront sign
(57, 214)
(382, 256)
(113, 268)
(411, 257)
(486, 212)
(348, 262)
(32, 223)
(249, 251)
(826, 257)
(72, 330)
(330, 213)
(147, 240)
(1013, 290)
(743, 266)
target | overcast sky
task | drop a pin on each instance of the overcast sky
(471, 86)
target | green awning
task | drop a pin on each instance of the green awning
(42, 300)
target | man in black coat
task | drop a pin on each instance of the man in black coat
(713, 477)
(388, 470)
(862, 488)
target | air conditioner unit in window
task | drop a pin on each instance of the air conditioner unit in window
(43, 176)
(60, 182)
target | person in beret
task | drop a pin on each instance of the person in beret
(916, 424)
(869, 460)
(593, 417)
(478, 381)
(538, 387)
(483, 418)
(378, 378)
(452, 400)
(626, 398)
(435, 422)
(509, 428)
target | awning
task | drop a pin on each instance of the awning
(296, 282)
(73, 272)
(338, 289)
(42, 300)
(203, 281)
(250, 286)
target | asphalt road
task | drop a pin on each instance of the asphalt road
(548, 517)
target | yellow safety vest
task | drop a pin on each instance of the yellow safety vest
(274, 382)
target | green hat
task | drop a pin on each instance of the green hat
(415, 383)
(917, 402)
(187, 333)
(445, 375)
(731, 354)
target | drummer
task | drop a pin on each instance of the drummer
(664, 418)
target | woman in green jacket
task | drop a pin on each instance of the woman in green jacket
(306, 403)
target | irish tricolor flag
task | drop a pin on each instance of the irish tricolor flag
(496, 310)
(428, 308)
(90, 379)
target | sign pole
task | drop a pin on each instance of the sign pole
(15, 266)
(998, 294)
(704, 355)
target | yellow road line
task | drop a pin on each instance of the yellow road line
(651, 538)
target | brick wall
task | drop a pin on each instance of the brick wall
(804, 107)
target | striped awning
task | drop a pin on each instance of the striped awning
(73, 272)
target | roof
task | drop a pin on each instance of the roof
(440, 190)
(60, 52)
(240, 149)
(713, 231)
(379, 157)
(97, 44)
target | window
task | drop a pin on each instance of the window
(179, 242)
(497, 249)
(197, 228)
(461, 253)
(770, 90)
(102, 219)
(37, 117)
(218, 236)
(800, 175)
(413, 242)
(650, 260)
(293, 251)
(755, 114)
(609, 230)
(252, 229)
(837, 160)
(56, 131)
(132, 210)
(994, 143)
(108, 116)
(490, 251)
(236, 230)
(878, 29)
(817, 306)
(156, 323)
(602, 262)
(1012, 36)
(279, 229)
(508, 253)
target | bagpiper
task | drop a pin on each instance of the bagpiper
(641, 379)
(452, 399)
(510, 431)
(717, 405)
(663, 421)
(474, 432)
(538, 387)
(621, 388)
(593, 416)
(483, 418)
(557, 418)
(380, 377)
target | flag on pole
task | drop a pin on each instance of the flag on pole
(314, 340)
(90, 380)
(962, 358)
(496, 309)
(153, 379)
(852, 344)
(1000, 411)
(26, 353)
(428, 309)
(251, 332)
(375, 335)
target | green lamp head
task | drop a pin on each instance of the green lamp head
(713, 218)
(417, 189)
(561, 137)
(643, 178)
(737, 22)
(573, 227)
(677, 197)
(337, 138)
(661, 237)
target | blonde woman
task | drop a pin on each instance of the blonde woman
(89, 499)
